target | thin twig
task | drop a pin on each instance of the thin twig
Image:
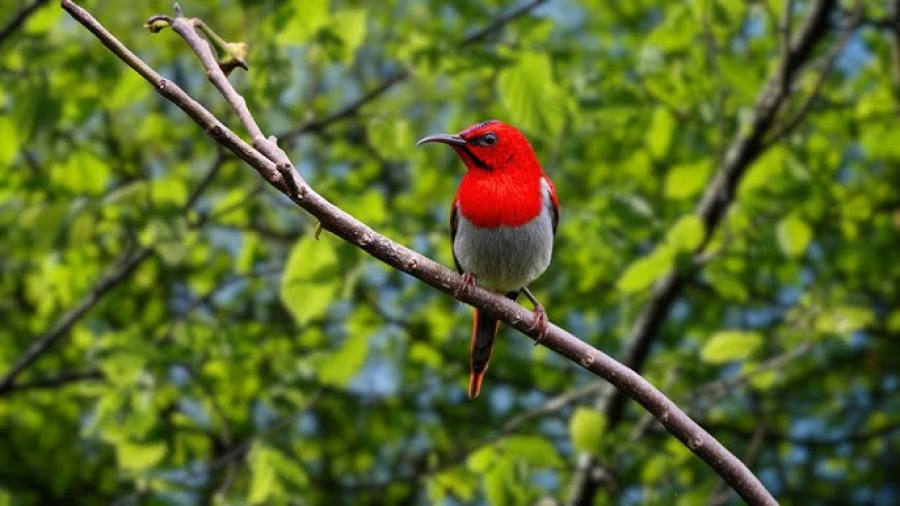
(480, 35)
(207, 179)
(553, 405)
(63, 379)
(401, 75)
(712, 60)
(127, 263)
(360, 235)
(784, 28)
(18, 19)
(828, 65)
(187, 29)
(350, 109)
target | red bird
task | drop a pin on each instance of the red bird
(502, 224)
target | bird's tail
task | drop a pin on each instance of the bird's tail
(483, 334)
(482, 345)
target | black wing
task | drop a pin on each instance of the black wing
(454, 223)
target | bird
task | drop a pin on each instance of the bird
(502, 225)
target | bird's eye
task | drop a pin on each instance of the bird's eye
(488, 139)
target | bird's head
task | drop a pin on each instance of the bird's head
(491, 146)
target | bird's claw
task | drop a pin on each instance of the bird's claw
(466, 282)
(540, 322)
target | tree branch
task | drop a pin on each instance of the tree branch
(835, 51)
(18, 19)
(360, 235)
(349, 110)
(745, 149)
(125, 266)
(60, 380)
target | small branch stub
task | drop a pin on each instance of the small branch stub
(319, 229)
(158, 22)
(230, 55)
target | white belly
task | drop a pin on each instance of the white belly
(505, 258)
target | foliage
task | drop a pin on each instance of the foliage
(245, 362)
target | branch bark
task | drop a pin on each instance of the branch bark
(401, 258)
(745, 149)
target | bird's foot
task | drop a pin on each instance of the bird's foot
(466, 282)
(540, 317)
(540, 322)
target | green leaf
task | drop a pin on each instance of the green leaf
(586, 428)
(644, 271)
(686, 180)
(263, 482)
(82, 172)
(482, 459)
(770, 166)
(368, 206)
(728, 345)
(130, 88)
(844, 319)
(764, 380)
(350, 26)
(872, 104)
(10, 145)
(339, 367)
(390, 136)
(288, 469)
(139, 456)
(794, 235)
(298, 22)
(659, 134)
(686, 234)
(496, 484)
(123, 368)
(310, 280)
(423, 353)
(531, 448)
(655, 468)
(532, 97)
(250, 247)
(893, 321)
(454, 481)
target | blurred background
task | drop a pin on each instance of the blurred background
(171, 333)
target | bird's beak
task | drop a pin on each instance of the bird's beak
(452, 140)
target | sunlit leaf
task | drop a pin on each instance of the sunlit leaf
(310, 280)
(794, 235)
(686, 180)
(729, 345)
(531, 96)
(297, 22)
(139, 456)
(339, 367)
(10, 145)
(350, 25)
(659, 134)
(644, 271)
(844, 319)
(686, 234)
(263, 482)
(586, 428)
